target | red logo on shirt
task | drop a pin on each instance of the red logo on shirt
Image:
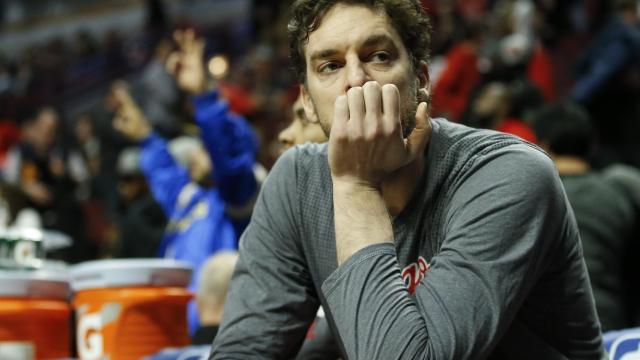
(311, 333)
(413, 274)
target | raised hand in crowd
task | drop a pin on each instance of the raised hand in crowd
(187, 63)
(129, 118)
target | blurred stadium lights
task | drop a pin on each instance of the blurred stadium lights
(218, 66)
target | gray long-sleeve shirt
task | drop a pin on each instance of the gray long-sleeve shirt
(486, 263)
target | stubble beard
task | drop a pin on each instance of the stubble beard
(408, 116)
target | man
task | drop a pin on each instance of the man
(208, 197)
(319, 342)
(605, 213)
(300, 130)
(495, 108)
(420, 238)
(141, 221)
(210, 296)
(607, 84)
(48, 174)
(212, 290)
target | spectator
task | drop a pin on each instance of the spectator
(605, 216)
(217, 270)
(87, 143)
(607, 85)
(459, 77)
(490, 107)
(212, 290)
(141, 222)
(86, 163)
(300, 130)
(494, 108)
(448, 24)
(48, 174)
(626, 179)
(319, 342)
(203, 218)
(12, 201)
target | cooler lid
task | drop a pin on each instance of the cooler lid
(47, 284)
(130, 272)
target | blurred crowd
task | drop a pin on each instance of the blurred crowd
(561, 74)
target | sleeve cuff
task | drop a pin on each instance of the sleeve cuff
(204, 99)
(151, 138)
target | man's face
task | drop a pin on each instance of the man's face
(492, 99)
(129, 187)
(301, 130)
(45, 129)
(355, 44)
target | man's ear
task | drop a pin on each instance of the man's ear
(423, 87)
(307, 104)
(422, 72)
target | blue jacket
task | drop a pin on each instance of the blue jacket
(614, 49)
(199, 224)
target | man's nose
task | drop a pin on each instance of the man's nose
(356, 74)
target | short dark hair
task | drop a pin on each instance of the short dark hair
(407, 16)
(566, 128)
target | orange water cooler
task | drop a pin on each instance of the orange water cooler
(126, 309)
(35, 314)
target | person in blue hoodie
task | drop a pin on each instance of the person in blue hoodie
(205, 186)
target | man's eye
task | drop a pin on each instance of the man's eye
(328, 67)
(380, 56)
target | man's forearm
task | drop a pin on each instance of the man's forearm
(369, 301)
(361, 219)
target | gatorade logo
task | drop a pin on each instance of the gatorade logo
(90, 341)
(311, 333)
(413, 274)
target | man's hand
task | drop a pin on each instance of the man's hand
(365, 147)
(129, 119)
(366, 143)
(187, 64)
